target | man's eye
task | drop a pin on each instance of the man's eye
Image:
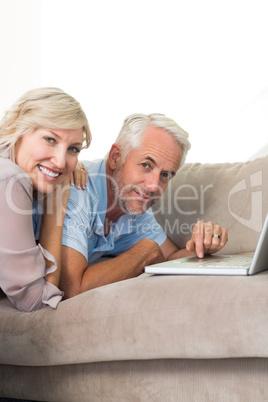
(167, 176)
(145, 165)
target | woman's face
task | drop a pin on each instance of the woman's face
(48, 155)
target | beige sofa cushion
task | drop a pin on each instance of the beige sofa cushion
(149, 317)
(234, 195)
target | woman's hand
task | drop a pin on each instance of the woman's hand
(79, 176)
(55, 203)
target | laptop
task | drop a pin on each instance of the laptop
(236, 264)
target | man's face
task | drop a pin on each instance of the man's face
(144, 177)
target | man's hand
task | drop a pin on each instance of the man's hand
(207, 238)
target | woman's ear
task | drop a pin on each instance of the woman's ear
(114, 157)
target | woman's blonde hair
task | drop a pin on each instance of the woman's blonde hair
(42, 107)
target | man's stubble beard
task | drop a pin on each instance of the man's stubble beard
(122, 193)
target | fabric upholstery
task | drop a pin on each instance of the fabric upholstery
(169, 380)
(189, 316)
(233, 195)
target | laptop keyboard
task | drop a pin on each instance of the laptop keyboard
(234, 261)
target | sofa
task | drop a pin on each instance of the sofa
(157, 337)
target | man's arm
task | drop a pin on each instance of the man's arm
(207, 238)
(77, 277)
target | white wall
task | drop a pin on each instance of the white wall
(203, 63)
(20, 52)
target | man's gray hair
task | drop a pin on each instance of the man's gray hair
(130, 135)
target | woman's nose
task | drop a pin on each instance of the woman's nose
(59, 159)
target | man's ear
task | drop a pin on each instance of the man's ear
(114, 157)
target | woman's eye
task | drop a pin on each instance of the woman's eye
(50, 139)
(74, 150)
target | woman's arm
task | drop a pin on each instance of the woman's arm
(52, 225)
(54, 214)
(22, 262)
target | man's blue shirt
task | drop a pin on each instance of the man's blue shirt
(83, 226)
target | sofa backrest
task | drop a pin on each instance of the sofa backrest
(234, 195)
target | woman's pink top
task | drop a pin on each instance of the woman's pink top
(22, 262)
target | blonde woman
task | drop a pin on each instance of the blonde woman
(41, 136)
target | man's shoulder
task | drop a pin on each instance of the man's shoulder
(95, 167)
(84, 201)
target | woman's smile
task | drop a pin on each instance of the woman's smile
(48, 155)
(49, 172)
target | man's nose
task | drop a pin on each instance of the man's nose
(152, 183)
